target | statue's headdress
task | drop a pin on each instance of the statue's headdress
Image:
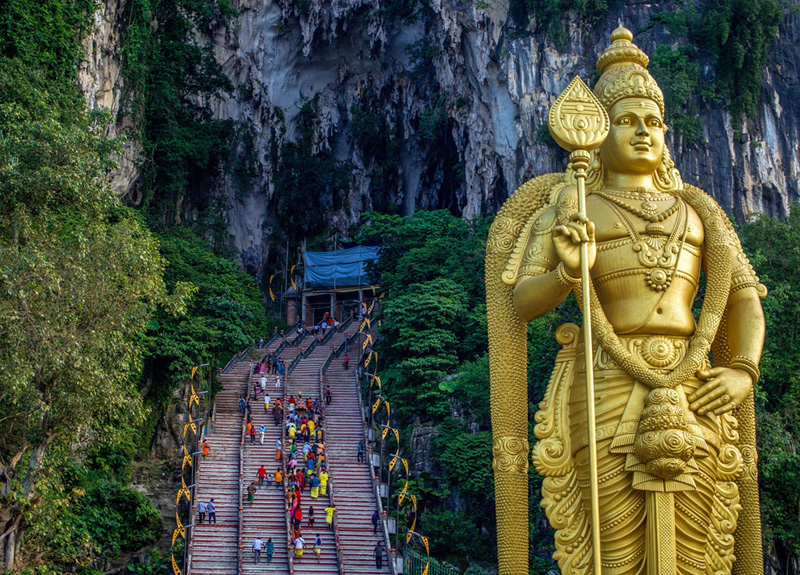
(624, 75)
(624, 72)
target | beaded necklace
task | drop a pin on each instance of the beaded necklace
(648, 210)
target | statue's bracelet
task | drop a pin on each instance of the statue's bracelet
(564, 278)
(746, 364)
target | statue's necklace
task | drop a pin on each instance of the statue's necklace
(662, 266)
(648, 210)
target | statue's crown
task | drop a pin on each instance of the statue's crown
(624, 72)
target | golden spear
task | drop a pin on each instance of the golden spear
(579, 123)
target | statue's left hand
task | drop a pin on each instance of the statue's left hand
(725, 388)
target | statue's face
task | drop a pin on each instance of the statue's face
(635, 143)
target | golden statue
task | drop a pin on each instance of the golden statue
(672, 445)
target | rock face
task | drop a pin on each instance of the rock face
(460, 90)
(100, 79)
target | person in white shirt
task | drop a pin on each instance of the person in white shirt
(299, 543)
(256, 550)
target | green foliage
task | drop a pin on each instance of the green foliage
(678, 76)
(79, 278)
(424, 342)
(377, 138)
(737, 34)
(225, 316)
(82, 517)
(544, 136)
(423, 54)
(772, 247)
(307, 181)
(433, 120)
(549, 14)
(473, 474)
(168, 73)
(39, 53)
(454, 535)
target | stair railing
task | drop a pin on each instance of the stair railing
(339, 554)
(236, 359)
(239, 553)
(285, 482)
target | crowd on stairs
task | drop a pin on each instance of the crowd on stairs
(290, 518)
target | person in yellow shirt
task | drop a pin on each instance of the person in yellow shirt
(329, 511)
(323, 482)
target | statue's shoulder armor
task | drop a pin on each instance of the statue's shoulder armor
(521, 234)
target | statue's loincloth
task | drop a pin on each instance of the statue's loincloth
(698, 493)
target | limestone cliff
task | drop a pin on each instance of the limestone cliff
(459, 89)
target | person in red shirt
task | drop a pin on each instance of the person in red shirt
(262, 474)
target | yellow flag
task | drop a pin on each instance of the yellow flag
(194, 398)
(194, 370)
(187, 458)
(402, 492)
(180, 530)
(183, 491)
(175, 569)
(291, 277)
(425, 541)
(375, 405)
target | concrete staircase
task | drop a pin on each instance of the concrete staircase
(353, 490)
(266, 517)
(215, 547)
(304, 381)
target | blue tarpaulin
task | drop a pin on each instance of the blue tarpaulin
(340, 269)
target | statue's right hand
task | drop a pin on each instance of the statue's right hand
(568, 238)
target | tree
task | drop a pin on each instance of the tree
(79, 278)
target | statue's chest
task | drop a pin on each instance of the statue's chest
(661, 239)
(654, 222)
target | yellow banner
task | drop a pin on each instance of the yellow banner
(187, 426)
(187, 458)
(175, 569)
(372, 305)
(180, 530)
(367, 341)
(375, 405)
(194, 398)
(291, 277)
(402, 495)
(375, 379)
(194, 370)
(384, 432)
(183, 491)
(366, 361)
(425, 571)
(272, 295)
(425, 541)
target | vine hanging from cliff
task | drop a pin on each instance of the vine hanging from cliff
(736, 34)
(171, 76)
